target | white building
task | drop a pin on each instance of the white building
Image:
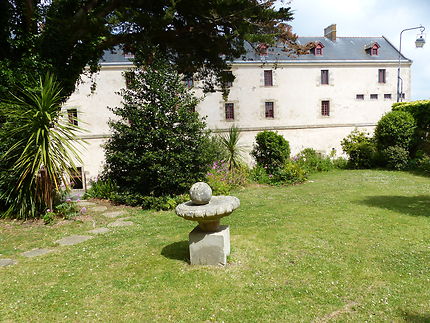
(313, 100)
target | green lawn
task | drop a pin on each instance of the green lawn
(345, 246)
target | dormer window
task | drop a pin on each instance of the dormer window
(262, 49)
(318, 49)
(372, 49)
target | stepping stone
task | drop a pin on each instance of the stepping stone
(123, 219)
(114, 214)
(36, 252)
(7, 262)
(99, 208)
(86, 203)
(71, 240)
(99, 231)
(120, 224)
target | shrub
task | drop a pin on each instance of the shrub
(396, 128)
(157, 141)
(258, 174)
(67, 209)
(230, 142)
(222, 180)
(313, 162)
(360, 149)
(420, 110)
(271, 150)
(290, 173)
(395, 157)
(423, 163)
(100, 189)
(149, 202)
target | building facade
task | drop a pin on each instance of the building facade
(313, 100)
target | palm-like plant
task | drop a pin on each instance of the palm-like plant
(44, 154)
(230, 141)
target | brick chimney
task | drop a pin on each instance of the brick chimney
(330, 32)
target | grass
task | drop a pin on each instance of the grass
(346, 246)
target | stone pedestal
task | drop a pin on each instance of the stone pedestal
(209, 248)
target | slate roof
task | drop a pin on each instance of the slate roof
(345, 49)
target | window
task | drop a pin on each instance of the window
(381, 76)
(325, 108)
(387, 96)
(72, 115)
(359, 96)
(229, 111)
(374, 96)
(269, 109)
(318, 50)
(76, 179)
(374, 51)
(324, 76)
(268, 78)
(188, 82)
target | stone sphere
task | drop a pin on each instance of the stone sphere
(200, 193)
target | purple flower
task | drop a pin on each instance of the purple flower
(83, 210)
(68, 200)
(48, 210)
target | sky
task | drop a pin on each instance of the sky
(373, 18)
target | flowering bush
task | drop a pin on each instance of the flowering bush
(222, 180)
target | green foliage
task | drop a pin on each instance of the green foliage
(214, 149)
(396, 128)
(421, 163)
(48, 217)
(420, 110)
(65, 36)
(395, 157)
(67, 209)
(157, 141)
(100, 189)
(360, 149)
(312, 162)
(230, 142)
(42, 154)
(222, 179)
(290, 173)
(271, 150)
(149, 202)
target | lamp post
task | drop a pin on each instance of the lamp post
(419, 43)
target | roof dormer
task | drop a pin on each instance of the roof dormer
(317, 50)
(262, 49)
(372, 49)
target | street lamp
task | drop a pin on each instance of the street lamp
(419, 43)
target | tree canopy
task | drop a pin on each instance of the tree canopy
(66, 36)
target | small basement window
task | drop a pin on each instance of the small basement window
(72, 115)
(359, 96)
(76, 178)
(387, 96)
(374, 96)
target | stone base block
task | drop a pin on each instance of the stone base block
(209, 248)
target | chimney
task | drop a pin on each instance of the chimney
(330, 32)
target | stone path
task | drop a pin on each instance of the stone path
(36, 252)
(72, 240)
(99, 231)
(76, 239)
(7, 262)
(114, 214)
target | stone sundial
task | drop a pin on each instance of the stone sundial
(209, 242)
(206, 209)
